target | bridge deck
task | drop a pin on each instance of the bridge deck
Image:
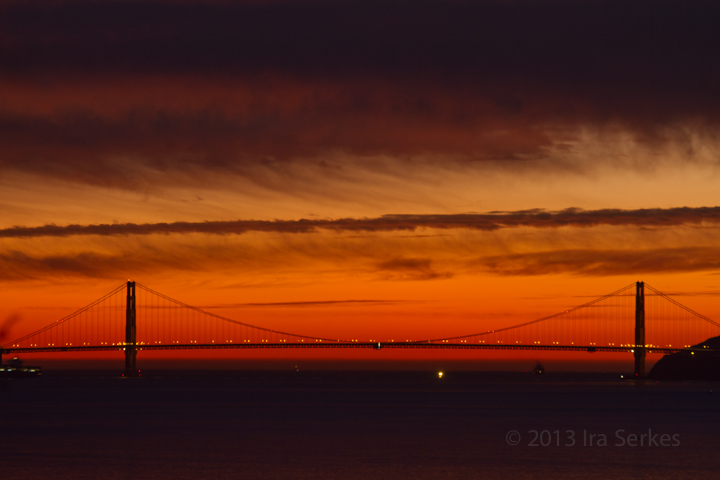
(376, 345)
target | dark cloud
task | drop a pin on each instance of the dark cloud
(536, 218)
(404, 268)
(17, 265)
(206, 125)
(659, 44)
(179, 84)
(592, 262)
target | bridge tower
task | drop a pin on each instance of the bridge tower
(640, 330)
(130, 332)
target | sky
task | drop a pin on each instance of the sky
(405, 167)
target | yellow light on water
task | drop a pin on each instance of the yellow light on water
(440, 374)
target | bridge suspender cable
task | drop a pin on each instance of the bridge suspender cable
(220, 317)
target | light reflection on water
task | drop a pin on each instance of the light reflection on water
(353, 425)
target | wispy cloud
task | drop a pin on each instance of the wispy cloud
(271, 258)
(315, 303)
(605, 262)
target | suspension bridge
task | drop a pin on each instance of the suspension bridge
(636, 319)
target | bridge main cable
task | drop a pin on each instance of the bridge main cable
(236, 322)
(532, 322)
(66, 318)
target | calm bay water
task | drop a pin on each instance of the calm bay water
(355, 425)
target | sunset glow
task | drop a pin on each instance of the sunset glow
(314, 168)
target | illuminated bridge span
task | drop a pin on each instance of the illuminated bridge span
(134, 317)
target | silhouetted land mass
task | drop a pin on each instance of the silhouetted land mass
(688, 365)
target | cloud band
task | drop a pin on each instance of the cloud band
(537, 218)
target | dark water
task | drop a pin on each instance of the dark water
(355, 425)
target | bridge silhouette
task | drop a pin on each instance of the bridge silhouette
(133, 317)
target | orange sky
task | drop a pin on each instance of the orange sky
(328, 123)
